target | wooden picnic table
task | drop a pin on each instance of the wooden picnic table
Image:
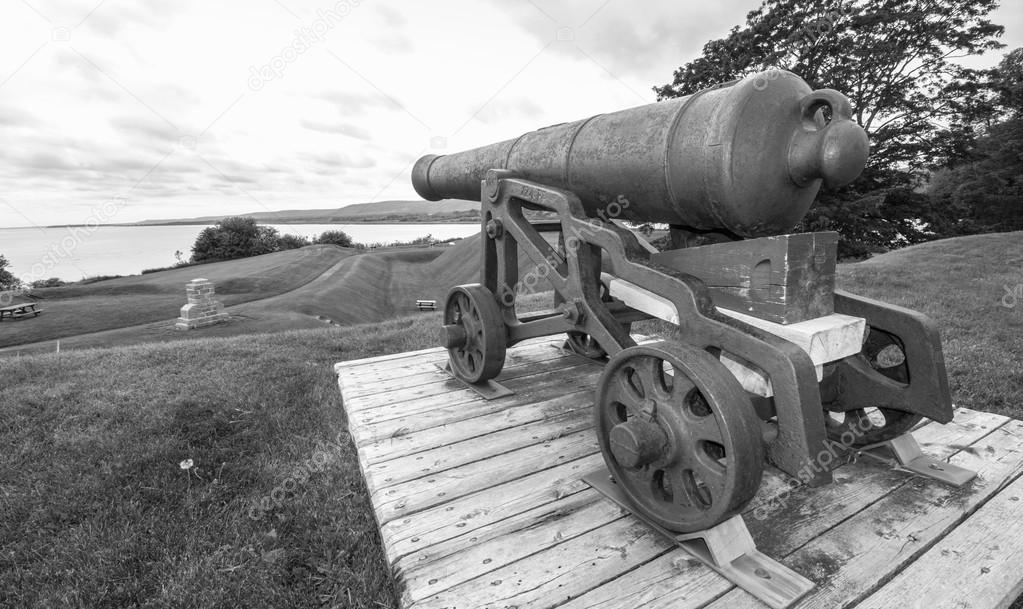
(19, 310)
(480, 503)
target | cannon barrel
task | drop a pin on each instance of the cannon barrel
(747, 157)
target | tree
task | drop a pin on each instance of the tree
(291, 242)
(982, 190)
(234, 237)
(336, 237)
(895, 61)
(1007, 82)
(7, 279)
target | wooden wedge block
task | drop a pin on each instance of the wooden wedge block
(785, 279)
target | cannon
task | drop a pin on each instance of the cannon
(768, 362)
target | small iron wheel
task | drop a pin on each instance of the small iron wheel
(474, 333)
(585, 345)
(885, 354)
(679, 435)
(581, 342)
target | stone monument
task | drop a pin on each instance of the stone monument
(202, 309)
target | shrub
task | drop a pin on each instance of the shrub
(336, 237)
(52, 282)
(291, 242)
(7, 279)
(234, 237)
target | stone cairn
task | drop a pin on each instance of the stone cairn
(202, 309)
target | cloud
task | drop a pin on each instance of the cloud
(13, 116)
(348, 129)
(335, 161)
(350, 103)
(623, 40)
(504, 109)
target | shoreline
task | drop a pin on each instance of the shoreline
(192, 223)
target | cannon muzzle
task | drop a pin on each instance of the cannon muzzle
(746, 157)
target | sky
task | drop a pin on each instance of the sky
(125, 110)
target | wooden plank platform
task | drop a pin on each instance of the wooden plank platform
(480, 503)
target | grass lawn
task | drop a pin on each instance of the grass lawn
(138, 299)
(95, 510)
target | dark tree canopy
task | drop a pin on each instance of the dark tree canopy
(336, 237)
(895, 60)
(235, 237)
(7, 279)
(291, 242)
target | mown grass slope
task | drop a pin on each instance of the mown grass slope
(961, 283)
(96, 511)
(139, 299)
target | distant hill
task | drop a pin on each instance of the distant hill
(447, 210)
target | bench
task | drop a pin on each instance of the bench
(20, 310)
(426, 305)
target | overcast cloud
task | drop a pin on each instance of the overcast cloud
(192, 108)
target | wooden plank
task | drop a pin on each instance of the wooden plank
(409, 425)
(541, 386)
(433, 373)
(421, 493)
(976, 565)
(435, 461)
(439, 353)
(353, 377)
(571, 517)
(485, 507)
(413, 385)
(781, 519)
(445, 384)
(784, 278)
(558, 573)
(825, 339)
(360, 382)
(403, 444)
(859, 555)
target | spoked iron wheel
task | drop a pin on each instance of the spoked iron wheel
(679, 435)
(863, 426)
(474, 333)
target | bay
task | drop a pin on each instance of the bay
(74, 253)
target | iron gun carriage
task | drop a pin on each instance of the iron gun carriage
(770, 362)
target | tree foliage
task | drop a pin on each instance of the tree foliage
(234, 237)
(336, 237)
(291, 242)
(7, 279)
(982, 190)
(895, 60)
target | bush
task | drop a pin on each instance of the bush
(234, 237)
(291, 242)
(52, 282)
(336, 237)
(7, 279)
